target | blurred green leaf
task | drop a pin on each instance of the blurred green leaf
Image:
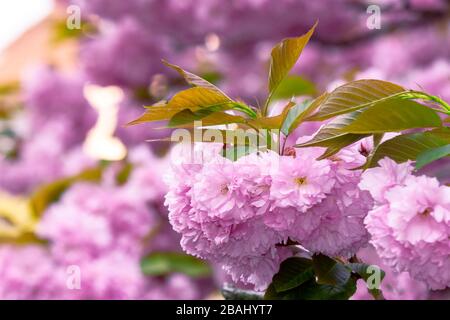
(212, 76)
(294, 86)
(49, 193)
(8, 88)
(164, 263)
(194, 79)
(62, 33)
(125, 172)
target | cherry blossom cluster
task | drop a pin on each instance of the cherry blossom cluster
(410, 222)
(243, 214)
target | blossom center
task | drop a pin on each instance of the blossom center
(363, 150)
(426, 212)
(224, 189)
(300, 181)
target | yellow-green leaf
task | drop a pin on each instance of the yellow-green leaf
(274, 122)
(408, 146)
(284, 56)
(393, 115)
(237, 136)
(193, 99)
(356, 95)
(17, 221)
(386, 116)
(303, 112)
(187, 119)
(332, 134)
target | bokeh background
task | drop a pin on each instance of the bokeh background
(81, 195)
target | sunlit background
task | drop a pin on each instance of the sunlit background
(80, 188)
(19, 15)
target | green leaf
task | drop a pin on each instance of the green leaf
(340, 142)
(284, 56)
(212, 76)
(235, 152)
(408, 146)
(356, 95)
(237, 137)
(296, 280)
(164, 263)
(272, 294)
(193, 99)
(124, 173)
(49, 193)
(391, 116)
(300, 113)
(231, 293)
(294, 86)
(376, 138)
(431, 155)
(293, 272)
(329, 271)
(242, 107)
(62, 33)
(186, 118)
(198, 81)
(311, 290)
(293, 113)
(332, 137)
(9, 88)
(362, 270)
(442, 133)
(428, 97)
(275, 122)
